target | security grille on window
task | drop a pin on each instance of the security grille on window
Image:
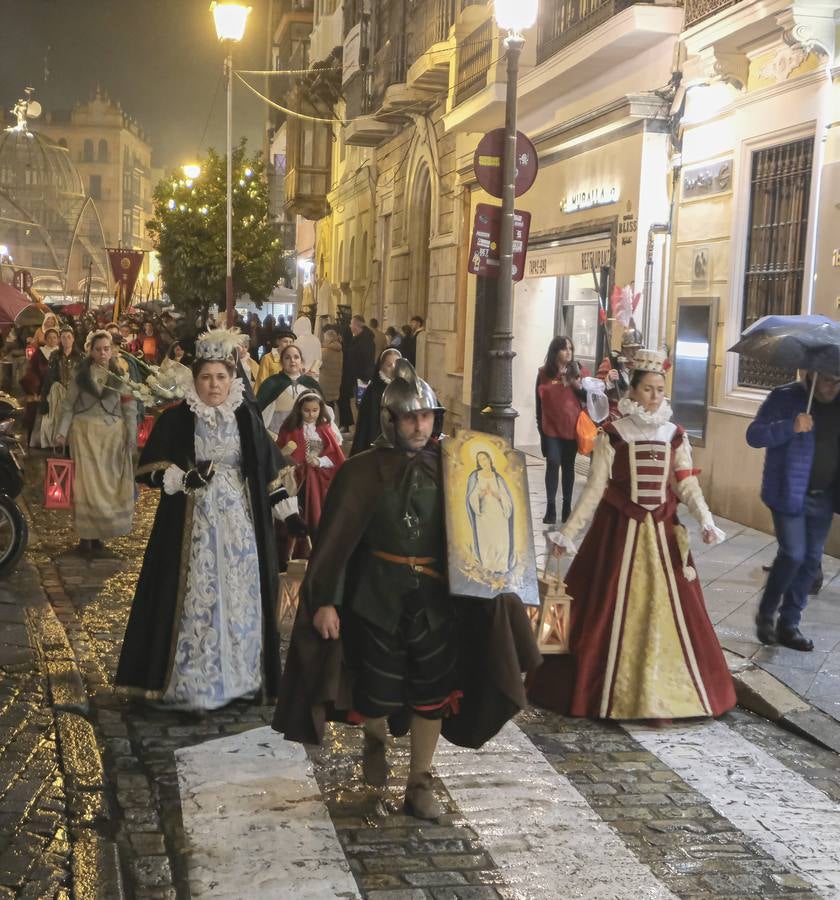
(779, 192)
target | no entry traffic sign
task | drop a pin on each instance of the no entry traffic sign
(488, 159)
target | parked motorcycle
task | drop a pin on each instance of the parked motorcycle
(14, 532)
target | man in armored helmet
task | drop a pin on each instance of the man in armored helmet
(379, 640)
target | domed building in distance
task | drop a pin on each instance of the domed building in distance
(47, 220)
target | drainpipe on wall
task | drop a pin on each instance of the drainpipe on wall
(659, 228)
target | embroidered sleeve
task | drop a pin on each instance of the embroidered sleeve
(688, 490)
(599, 474)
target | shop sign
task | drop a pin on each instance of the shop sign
(835, 259)
(589, 198)
(701, 181)
(571, 259)
(489, 156)
(484, 247)
(627, 227)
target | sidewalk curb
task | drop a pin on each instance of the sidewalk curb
(762, 693)
(97, 874)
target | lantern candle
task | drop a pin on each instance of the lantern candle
(58, 484)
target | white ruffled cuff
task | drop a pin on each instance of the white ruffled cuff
(173, 480)
(325, 462)
(557, 537)
(282, 509)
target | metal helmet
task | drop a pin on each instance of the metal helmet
(406, 393)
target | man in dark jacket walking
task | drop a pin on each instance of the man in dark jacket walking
(800, 486)
(357, 365)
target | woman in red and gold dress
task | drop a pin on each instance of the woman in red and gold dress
(642, 643)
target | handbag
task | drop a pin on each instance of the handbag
(585, 432)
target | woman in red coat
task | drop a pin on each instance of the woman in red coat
(309, 438)
(559, 402)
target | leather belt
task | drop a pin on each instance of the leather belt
(418, 564)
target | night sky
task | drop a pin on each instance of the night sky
(159, 58)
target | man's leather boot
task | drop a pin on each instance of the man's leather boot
(793, 638)
(420, 800)
(374, 763)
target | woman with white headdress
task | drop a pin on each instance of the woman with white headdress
(201, 631)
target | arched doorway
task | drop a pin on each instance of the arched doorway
(420, 232)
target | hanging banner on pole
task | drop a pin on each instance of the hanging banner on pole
(484, 247)
(125, 264)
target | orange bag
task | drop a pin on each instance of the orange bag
(585, 432)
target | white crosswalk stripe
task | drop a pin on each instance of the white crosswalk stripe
(253, 815)
(255, 822)
(794, 822)
(537, 827)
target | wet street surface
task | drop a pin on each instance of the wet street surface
(106, 797)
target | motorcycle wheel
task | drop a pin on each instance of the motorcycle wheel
(14, 534)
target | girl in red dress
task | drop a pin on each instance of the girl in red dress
(309, 438)
(642, 644)
(558, 404)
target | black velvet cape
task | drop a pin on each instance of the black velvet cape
(496, 643)
(149, 645)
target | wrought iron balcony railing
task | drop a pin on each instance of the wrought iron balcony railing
(474, 60)
(562, 22)
(697, 10)
(429, 24)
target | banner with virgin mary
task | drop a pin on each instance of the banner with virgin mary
(488, 518)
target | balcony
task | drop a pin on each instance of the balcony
(562, 22)
(697, 10)
(306, 192)
(474, 62)
(428, 50)
(580, 41)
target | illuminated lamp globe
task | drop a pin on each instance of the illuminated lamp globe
(192, 170)
(514, 16)
(230, 20)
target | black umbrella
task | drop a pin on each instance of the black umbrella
(794, 342)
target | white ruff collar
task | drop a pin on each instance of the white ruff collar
(635, 411)
(225, 411)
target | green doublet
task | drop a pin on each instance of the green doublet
(408, 521)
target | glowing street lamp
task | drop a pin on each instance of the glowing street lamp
(230, 21)
(191, 170)
(512, 16)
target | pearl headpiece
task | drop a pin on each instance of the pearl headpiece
(650, 361)
(220, 344)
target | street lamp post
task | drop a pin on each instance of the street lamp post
(230, 21)
(513, 16)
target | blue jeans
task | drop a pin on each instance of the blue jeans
(801, 541)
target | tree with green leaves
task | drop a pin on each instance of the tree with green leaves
(189, 233)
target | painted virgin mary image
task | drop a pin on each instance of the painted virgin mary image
(490, 511)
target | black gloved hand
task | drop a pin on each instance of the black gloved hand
(296, 526)
(200, 475)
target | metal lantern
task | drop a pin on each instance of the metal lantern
(144, 430)
(287, 600)
(551, 619)
(58, 483)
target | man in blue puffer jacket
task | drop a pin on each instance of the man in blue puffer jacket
(800, 486)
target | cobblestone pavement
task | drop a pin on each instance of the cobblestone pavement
(221, 806)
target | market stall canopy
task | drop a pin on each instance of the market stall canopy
(17, 309)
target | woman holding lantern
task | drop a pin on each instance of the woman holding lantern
(99, 417)
(201, 631)
(641, 640)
